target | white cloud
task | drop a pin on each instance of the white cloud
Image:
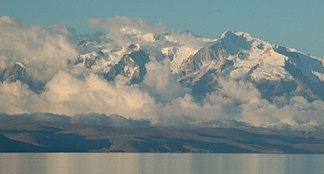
(121, 28)
(161, 83)
(298, 113)
(188, 39)
(68, 95)
(115, 24)
(44, 50)
(16, 98)
(191, 112)
(241, 91)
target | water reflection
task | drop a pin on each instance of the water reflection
(133, 163)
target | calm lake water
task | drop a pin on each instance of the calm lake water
(134, 163)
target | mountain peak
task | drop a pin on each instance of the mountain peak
(233, 41)
(227, 33)
(234, 35)
(15, 72)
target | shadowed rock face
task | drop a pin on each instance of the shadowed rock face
(314, 88)
(131, 66)
(31, 136)
(14, 73)
(17, 72)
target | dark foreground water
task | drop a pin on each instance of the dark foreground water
(135, 163)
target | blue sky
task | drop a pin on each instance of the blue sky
(293, 23)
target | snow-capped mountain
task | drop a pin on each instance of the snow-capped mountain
(274, 70)
(104, 56)
(111, 61)
(142, 71)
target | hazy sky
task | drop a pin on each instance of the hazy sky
(293, 23)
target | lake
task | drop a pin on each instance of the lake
(160, 163)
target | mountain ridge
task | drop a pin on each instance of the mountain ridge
(148, 72)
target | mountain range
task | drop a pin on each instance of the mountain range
(275, 70)
(235, 78)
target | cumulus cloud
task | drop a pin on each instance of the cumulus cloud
(256, 111)
(44, 50)
(69, 95)
(240, 101)
(122, 28)
(118, 22)
(161, 83)
(188, 39)
(16, 98)
(291, 115)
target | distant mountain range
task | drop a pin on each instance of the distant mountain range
(235, 79)
(143, 88)
(275, 70)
